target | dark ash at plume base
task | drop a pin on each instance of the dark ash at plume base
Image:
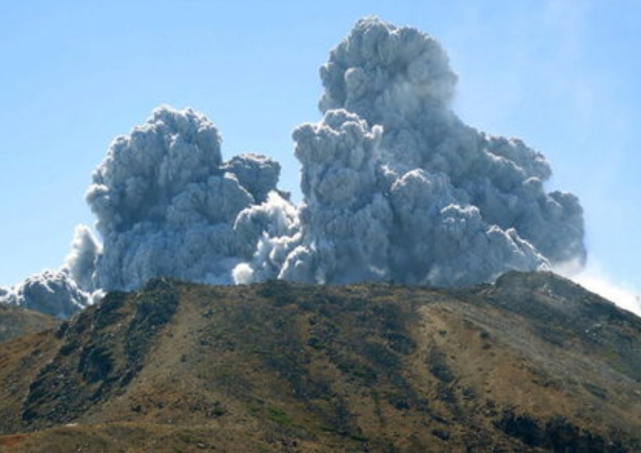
(396, 187)
(51, 292)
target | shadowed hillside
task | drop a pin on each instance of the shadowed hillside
(532, 363)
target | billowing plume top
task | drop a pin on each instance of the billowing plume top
(145, 170)
(388, 70)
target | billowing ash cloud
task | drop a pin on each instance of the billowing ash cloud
(50, 292)
(61, 292)
(80, 264)
(167, 204)
(395, 187)
(345, 219)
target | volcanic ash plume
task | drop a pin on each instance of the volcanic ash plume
(395, 187)
(344, 218)
(167, 204)
(80, 264)
(64, 291)
(50, 292)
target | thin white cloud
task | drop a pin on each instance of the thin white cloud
(595, 279)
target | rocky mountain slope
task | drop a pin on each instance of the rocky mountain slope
(532, 363)
(17, 321)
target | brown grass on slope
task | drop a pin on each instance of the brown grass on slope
(533, 363)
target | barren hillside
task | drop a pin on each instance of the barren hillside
(17, 321)
(532, 363)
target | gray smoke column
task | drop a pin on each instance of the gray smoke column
(397, 187)
(345, 218)
(167, 204)
(80, 264)
(400, 78)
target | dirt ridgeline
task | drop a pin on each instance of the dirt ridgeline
(16, 322)
(532, 363)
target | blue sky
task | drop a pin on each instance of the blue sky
(562, 75)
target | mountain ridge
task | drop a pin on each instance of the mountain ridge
(531, 363)
(16, 321)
